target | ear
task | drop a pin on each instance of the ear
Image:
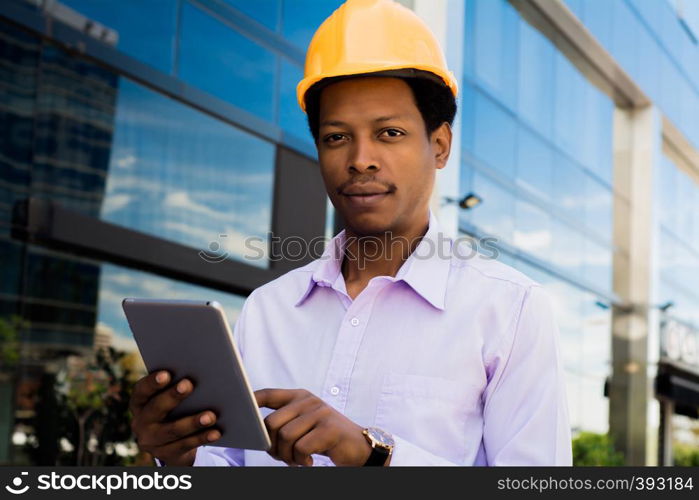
(441, 145)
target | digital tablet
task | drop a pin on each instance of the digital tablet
(192, 339)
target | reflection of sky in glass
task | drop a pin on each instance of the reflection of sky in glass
(568, 249)
(586, 350)
(678, 255)
(534, 164)
(532, 230)
(291, 118)
(185, 176)
(146, 28)
(598, 265)
(568, 188)
(117, 283)
(495, 35)
(263, 11)
(496, 214)
(598, 208)
(218, 60)
(536, 56)
(495, 136)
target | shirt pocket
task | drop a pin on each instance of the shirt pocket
(430, 412)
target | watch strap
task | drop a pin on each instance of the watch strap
(377, 458)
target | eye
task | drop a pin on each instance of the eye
(333, 138)
(392, 132)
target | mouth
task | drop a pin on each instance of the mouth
(367, 194)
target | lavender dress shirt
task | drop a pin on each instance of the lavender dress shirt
(457, 356)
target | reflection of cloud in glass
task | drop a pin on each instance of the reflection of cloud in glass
(232, 243)
(115, 202)
(532, 241)
(173, 167)
(182, 200)
(126, 161)
(117, 283)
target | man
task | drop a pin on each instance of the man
(390, 349)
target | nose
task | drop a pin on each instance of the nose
(363, 156)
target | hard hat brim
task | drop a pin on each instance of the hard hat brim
(431, 72)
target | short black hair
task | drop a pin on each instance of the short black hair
(433, 99)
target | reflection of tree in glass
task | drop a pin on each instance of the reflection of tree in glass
(9, 343)
(88, 402)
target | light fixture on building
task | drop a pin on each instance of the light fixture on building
(468, 202)
(667, 305)
(601, 304)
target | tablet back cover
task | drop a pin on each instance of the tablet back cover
(192, 339)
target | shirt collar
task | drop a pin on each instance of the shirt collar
(426, 271)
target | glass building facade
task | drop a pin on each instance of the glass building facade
(537, 148)
(176, 134)
(178, 123)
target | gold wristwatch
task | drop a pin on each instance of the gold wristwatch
(381, 446)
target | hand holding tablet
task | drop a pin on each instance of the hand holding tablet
(197, 391)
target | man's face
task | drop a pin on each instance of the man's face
(377, 162)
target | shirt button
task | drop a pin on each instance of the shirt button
(354, 321)
(335, 391)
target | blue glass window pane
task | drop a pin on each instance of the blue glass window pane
(495, 135)
(534, 164)
(535, 79)
(594, 149)
(577, 6)
(686, 201)
(682, 270)
(184, 176)
(569, 103)
(598, 19)
(598, 265)
(568, 249)
(218, 60)
(568, 179)
(146, 29)
(496, 40)
(291, 118)
(596, 344)
(263, 11)
(495, 215)
(649, 76)
(532, 230)
(668, 194)
(301, 18)
(468, 115)
(598, 208)
(624, 37)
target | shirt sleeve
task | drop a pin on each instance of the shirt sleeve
(525, 411)
(525, 414)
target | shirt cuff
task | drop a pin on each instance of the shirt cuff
(406, 453)
(208, 456)
(215, 456)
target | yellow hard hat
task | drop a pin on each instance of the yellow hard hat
(372, 36)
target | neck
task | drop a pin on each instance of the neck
(383, 254)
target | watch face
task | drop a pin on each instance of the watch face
(380, 436)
